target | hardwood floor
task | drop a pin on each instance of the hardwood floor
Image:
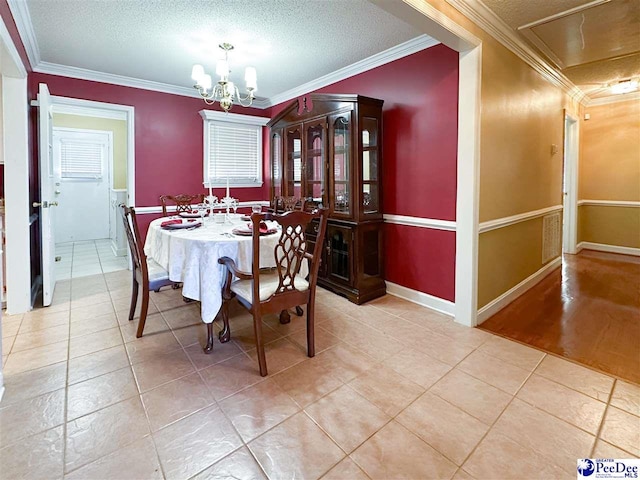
(587, 311)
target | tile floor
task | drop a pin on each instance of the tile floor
(394, 391)
(82, 259)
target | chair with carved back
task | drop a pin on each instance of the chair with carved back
(147, 274)
(183, 202)
(268, 292)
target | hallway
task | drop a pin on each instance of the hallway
(588, 311)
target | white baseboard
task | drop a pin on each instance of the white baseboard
(1, 393)
(118, 252)
(602, 247)
(510, 295)
(435, 303)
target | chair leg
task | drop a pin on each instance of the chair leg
(285, 317)
(209, 347)
(134, 299)
(311, 337)
(143, 312)
(257, 327)
(225, 335)
(299, 310)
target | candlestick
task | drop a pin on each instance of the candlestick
(227, 187)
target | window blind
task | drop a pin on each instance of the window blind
(81, 159)
(234, 153)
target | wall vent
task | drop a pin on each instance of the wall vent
(551, 236)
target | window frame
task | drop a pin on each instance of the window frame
(214, 117)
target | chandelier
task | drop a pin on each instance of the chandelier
(224, 91)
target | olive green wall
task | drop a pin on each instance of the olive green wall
(609, 225)
(119, 129)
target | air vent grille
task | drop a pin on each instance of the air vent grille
(551, 234)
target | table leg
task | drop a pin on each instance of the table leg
(209, 347)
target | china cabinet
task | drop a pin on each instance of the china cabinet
(327, 151)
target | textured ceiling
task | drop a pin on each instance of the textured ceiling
(594, 46)
(290, 42)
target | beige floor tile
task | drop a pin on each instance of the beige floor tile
(22, 386)
(569, 405)
(153, 324)
(432, 418)
(513, 352)
(386, 389)
(347, 417)
(195, 442)
(122, 311)
(582, 379)
(246, 340)
(323, 339)
(94, 342)
(494, 371)
(471, 337)
(220, 353)
(165, 367)
(97, 363)
(366, 339)
(94, 324)
(150, 345)
(376, 318)
(621, 429)
(280, 354)
(239, 465)
(606, 450)
(475, 397)
(392, 453)
(184, 316)
(296, 325)
(90, 310)
(297, 448)
(439, 346)
(40, 338)
(626, 396)
(231, 376)
(31, 416)
(167, 298)
(133, 462)
(256, 409)
(10, 328)
(498, 456)
(175, 400)
(462, 475)
(99, 392)
(554, 439)
(7, 343)
(39, 456)
(103, 432)
(36, 358)
(196, 335)
(396, 305)
(345, 362)
(417, 367)
(306, 382)
(33, 324)
(347, 469)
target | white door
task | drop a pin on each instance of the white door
(570, 186)
(47, 189)
(82, 173)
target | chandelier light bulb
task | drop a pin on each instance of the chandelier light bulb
(251, 78)
(205, 82)
(197, 73)
(222, 69)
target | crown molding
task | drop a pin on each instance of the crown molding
(394, 53)
(88, 111)
(484, 17)
(22, 17)
(627, 97)
(233, 117)
(5, 39)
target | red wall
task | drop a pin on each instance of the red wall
(5, 13)
(168, 137)
(420, 125)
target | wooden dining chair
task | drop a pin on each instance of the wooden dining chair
(263, 292)
(146, 272)
(183, 202)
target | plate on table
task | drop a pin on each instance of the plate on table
(245, 218)
(247, 232)
(179, 223)
(192, 214)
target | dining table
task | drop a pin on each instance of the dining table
(190, 255)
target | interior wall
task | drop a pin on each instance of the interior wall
(119, 130)
(610, 172)
(420, 125)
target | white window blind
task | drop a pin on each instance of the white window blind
(81, 159)
(234, 153)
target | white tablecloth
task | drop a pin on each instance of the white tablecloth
(191, 257)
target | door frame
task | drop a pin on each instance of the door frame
(77, 106)
(60, 131)
(570, 184)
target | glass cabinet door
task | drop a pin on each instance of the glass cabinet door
(293, 161)
(314, 166)
(341, 131)
(276, 165)
(370, 178)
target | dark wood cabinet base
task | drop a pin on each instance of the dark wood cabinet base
(354, 296)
